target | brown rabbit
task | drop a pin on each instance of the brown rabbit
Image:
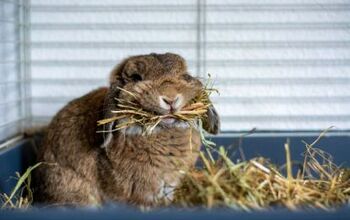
(83, 167)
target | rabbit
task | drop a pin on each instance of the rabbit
(84, 167)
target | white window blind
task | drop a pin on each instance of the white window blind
(75, 44)
(279, 65)
(13, 71)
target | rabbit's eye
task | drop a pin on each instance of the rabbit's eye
(187, 77)
(136, 77)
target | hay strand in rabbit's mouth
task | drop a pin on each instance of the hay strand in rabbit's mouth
(130, 113)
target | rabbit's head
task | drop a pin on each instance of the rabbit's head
(160, 84)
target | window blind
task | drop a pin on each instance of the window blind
(75, 44)
(14, 77)
(278, 65)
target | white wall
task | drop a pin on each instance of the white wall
(279, 65)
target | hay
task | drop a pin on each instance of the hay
(131, 113)
(248, 185)
(22, 195)
(258, 184)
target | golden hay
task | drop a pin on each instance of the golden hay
(258, 184)
(133, 114)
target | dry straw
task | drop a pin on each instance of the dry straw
(131, 113)
(259, 184)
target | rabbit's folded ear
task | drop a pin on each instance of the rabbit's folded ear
(211, 122)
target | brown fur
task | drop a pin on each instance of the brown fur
(83, 167)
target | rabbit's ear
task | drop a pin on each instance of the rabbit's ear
(211, 122)
(116, 76)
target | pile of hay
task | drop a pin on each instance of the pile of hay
(258, 184)
(131, 113)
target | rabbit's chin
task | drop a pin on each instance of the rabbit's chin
(173, 123)
(161, 127)
(168, 121)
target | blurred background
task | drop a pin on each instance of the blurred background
(279, 65)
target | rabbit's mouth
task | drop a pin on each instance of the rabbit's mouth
(167, 122)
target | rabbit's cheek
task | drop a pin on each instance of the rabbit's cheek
(143, 86)
(147, 99)
(150, 103)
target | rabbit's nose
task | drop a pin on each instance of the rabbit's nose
(170, 104)
(168, 100)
